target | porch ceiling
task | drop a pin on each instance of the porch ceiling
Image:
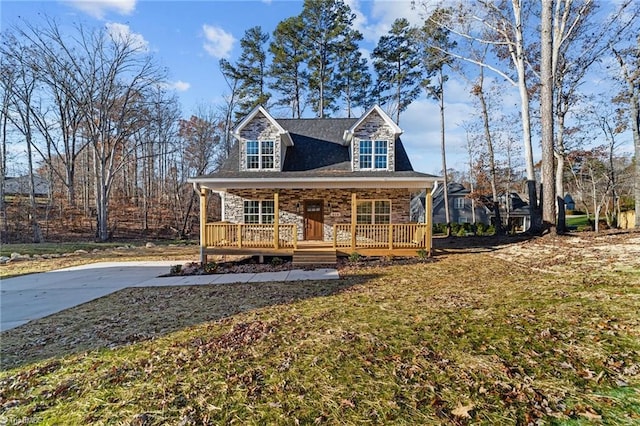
(223, 184)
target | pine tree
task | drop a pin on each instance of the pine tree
(326, 24)
(251, 70)
(354, 78)
(396, 60)
(287, 73)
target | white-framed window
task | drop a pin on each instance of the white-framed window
(458, 203)
(373, 212)
(260, 154)
(259, 211)
(374, 155)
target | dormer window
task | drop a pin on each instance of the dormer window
(260, 155)
(374, 154)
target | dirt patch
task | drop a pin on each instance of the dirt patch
(587, 251)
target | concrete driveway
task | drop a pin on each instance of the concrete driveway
(34, 296)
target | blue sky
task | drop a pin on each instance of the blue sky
(190, 37)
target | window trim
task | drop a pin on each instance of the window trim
(262, 212)
(260, 154)
(459, 203)
(372, 156)
(373, 214)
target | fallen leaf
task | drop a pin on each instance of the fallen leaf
(590, 414)
(462, 411)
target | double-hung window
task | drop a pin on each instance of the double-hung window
(374, 154)
(373, 212)
(458, 203)
(260, 155)
(256, 211)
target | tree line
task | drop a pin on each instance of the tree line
(98, 119)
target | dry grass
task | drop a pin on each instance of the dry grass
(23, 267)
(497, 336)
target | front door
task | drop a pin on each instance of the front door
(313, 220)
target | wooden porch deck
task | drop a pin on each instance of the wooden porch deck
(282, 240)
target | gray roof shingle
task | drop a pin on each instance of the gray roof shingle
(317, 151)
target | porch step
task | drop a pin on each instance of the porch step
(314, 257)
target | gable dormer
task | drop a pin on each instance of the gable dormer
(373, 141)
(262, 142)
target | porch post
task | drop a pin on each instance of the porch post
(354, 212)
(276, 220)
(203, 225)
(428, 218)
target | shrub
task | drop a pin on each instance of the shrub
(175, 269)
(276, 261)
(355, 257)
(439, 228)
(422, 254)
(210, 268)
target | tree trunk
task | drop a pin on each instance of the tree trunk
(520, 65)
(492, 158)
(546, 113)
(443, 151)
(635, 124)
(33, 206)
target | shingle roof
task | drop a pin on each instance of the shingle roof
(317, 150)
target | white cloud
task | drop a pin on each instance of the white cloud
(99, 8)
(180, 86)
(123, 33)
(381, 16)
(218, 42)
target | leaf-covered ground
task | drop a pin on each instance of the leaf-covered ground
(509, 335)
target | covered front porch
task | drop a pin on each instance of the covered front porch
(342, 217)
(274, 239)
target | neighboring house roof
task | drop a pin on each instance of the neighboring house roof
(317, 154)
(20, 185)
(454, 190)
(518, 207)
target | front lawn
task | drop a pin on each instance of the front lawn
(470, 338)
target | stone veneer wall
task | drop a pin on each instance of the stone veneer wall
(373, 128)
(340, 200)
(260, 129)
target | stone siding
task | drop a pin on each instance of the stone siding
(292, 205)
(374, 127)
(260, 129)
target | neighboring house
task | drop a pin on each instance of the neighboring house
(569, 203)
(20, 186)
(339, 184)
(514, 212)
(461, 206)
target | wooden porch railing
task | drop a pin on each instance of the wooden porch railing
(389, 236)
(250, 235)
(403, 235)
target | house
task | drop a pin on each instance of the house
(339, 185)
(569, 203)
(461, 207)
(20, 185)
(514, 212)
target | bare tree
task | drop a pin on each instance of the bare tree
(502, 26)
(629, 60)
(113, 77)
(19, 113)
(479, 91)
(201, 135)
